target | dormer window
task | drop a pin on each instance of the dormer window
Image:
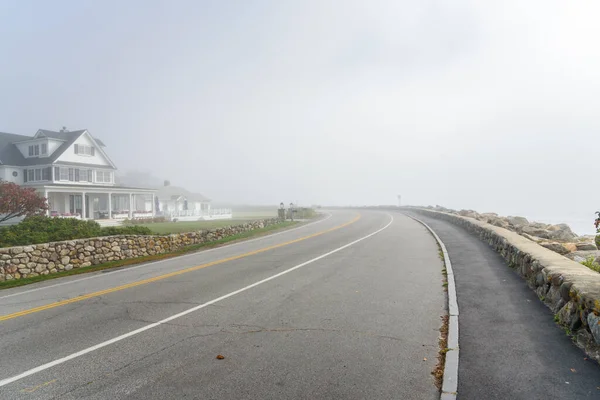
(34, 150)
(44, 149)
(84, 150)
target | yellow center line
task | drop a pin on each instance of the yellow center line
(169, 275)
(33, 389)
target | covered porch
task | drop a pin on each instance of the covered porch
(99, 203)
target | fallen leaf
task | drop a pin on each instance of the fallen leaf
(220, 357)
(573, 370)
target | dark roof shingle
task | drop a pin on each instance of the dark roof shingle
(10, 154)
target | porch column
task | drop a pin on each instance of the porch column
(109, 206)
(83, 205)
(130, 205)
(152, 206)
(47, 201)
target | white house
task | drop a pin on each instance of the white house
(72, 170)
(176, 203)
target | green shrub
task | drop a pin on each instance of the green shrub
(126, 230)
(304, 213)
(42, 229)
(591, 263)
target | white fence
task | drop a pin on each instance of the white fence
(196, 215)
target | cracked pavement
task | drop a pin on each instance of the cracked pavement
(361, 323)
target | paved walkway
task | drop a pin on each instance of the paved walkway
(510, 347)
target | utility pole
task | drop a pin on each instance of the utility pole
(399, 201)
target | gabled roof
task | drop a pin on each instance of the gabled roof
(10, 154)
(175, 192)
(66, 135)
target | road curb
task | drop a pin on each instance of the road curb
(450, 381)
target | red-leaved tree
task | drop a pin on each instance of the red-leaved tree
(18, 201)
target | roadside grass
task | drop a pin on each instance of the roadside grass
(301, 213)
(438, 371)
(257, 214)
(156, 257)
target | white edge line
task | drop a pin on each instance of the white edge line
(80, 353)
(162, 261)
(450, 381)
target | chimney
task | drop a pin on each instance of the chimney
(167, 183)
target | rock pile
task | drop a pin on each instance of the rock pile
(558, 238)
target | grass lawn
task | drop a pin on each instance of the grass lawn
(164, 228)
(258, 214)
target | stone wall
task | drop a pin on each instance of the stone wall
(569, 289)
(49, 258)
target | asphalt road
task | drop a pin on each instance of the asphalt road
(510, 347)
(344, 308)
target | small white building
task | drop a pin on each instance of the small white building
(74, 172)
(178, 204)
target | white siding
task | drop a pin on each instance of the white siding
(53, 145)
(24, 147)
(6, 173)
(70, 156)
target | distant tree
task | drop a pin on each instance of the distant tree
(17, 201)
(597, 225)
(138, 178)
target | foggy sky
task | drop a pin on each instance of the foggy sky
(475, 105)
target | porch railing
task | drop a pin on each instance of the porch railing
(195, 213)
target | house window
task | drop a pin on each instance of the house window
(44, 148)
(121, 202)
(84, 175)
(71, 174)
(76, 175)
(38, 174)
(103, 177)
(84, 150)
(34, 150)
(64, 174)
(75, 203)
